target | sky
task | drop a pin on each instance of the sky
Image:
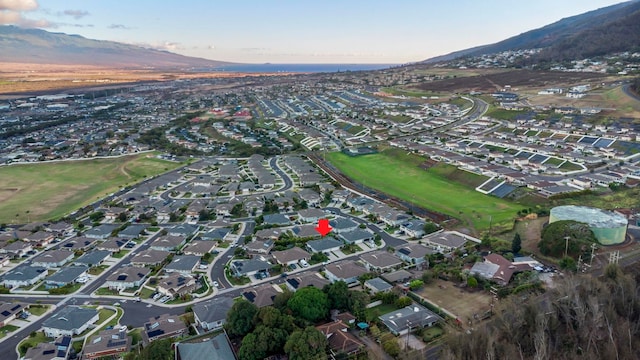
(297, 31)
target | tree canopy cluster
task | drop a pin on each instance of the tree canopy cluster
(554, 241)
(581, 318)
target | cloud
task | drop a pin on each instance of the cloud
(77, 14)
(164, 45)
(9, 17)
(211, 47)
(18, 5)
(119, 26)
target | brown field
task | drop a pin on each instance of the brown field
(494, 81)
(459, 301)
(21, 79)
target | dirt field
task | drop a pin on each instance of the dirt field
(460, 302)
(517, 78)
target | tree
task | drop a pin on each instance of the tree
(516, 244)
(567, 263)
(157, 350)
(472, 282)
(240, 318)
(427, 276)
(338, 295)
(430, 227)
(390, 345)
(403, 301)
(310, 304)
(416, 284)
(252, 348)
(307, 344)
(358, 301)
(281, 300)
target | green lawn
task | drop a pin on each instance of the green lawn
(7, 329)
(32, 341)
(428, 189)
(38, 310)
(38, 192)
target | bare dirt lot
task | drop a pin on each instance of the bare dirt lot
(516, 78)
(464, 304)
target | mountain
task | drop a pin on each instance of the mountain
(610, 29)
(19, 45)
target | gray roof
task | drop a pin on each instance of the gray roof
(93, 258)
(342, 223)
(150, 256)
(133, 230)
(53, 256)
(381, 259)
(22, 272)
(70, 318)
(413, 250)
(183, 263)
(213, 310)
(397, 275)
(216, 348)
(128, 274)
(67, 274)
(356, 235)
(103, 230)
(378, 284)
(215, 234)
(183, 229)
(324, 244)
(279, 219)
(413, 315)
(247, 266)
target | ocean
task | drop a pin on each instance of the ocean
(301, 68)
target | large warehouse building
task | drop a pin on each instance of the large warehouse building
(609, 228)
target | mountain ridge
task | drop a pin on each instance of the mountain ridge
(558, 35)
(36, 46)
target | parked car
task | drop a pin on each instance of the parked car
(215, 283)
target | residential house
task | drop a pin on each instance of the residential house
(65, 276)
(259, 246)
(380, 261)
(111, 214)
(82, 243)
(102, 231)
(413, 228)
(107, 343)
(113, 245)
(305, 231)
(495, 267)
(53, 258)
(398, 276)
(412, 317)
(23, 275)
(290, 256)
(341, 224)
(377, 285)
(149, 257)
(199, 248)
(212, 314)
(168, 243)
(16, 249)
(218, 234)
(413, 253)
(324, 245)
(93, 258)
(183, 230)
(133, 231)
(249, 267)
(216, 348)
(127, 277)
(269, 234)
(10, 310)
(357, 236)
(311, 215)
(276, 219)
(183, 264)
(60, 228)
(311, 197)
(162, 327)
(346, 271)
(305, 279)
(69, 321)
(176, 285)
(447, 241)
(340, 340)
(262, 295)
(40, 238)
(58, 350)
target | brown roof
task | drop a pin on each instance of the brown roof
(262, 295)
(339, 337)
(293, 254)
(381, 259)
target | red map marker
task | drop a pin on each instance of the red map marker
(323, 227)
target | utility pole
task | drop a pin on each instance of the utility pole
(566, 245)
(593, 249)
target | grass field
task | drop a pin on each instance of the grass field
(401, 177)
(37, 192)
